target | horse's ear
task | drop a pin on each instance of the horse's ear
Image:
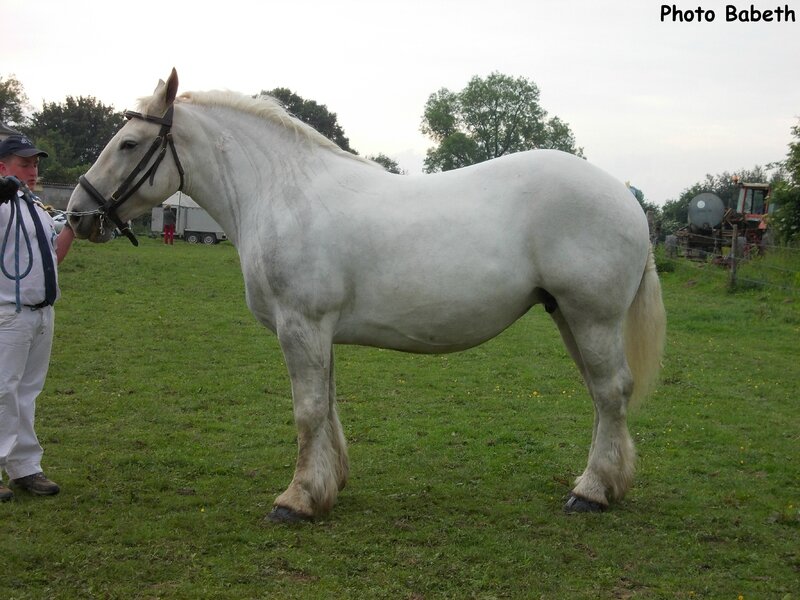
(172, 87)
(164, 94)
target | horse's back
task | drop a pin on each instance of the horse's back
(548, 193)
(549, 215)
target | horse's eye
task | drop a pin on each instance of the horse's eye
(128, 145)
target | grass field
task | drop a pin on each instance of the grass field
(167, 420)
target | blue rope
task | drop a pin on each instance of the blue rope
(17, 276)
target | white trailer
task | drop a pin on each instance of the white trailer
(192, 223)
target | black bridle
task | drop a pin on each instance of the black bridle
(109, 207)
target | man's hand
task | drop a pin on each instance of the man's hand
(8, 188)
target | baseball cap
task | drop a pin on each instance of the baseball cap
(20, 146)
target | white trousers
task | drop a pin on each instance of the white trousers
(26, 339)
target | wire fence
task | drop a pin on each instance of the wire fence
(755, 265)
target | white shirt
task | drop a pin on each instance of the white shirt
(31, 286)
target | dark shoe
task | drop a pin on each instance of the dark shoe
(5, 493)
(37, 484)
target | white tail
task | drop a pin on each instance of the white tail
(645, 333)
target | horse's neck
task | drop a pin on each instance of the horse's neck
(244, 169)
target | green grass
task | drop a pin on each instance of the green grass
(778, 269)
(167, 420)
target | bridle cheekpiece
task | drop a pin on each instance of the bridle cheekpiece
(109, 207)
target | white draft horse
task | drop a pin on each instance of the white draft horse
(335, 250)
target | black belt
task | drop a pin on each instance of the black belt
(37, 306)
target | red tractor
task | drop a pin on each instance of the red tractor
(711, 226)
(752, 211)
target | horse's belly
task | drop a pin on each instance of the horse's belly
(432, 326)
(384, 335)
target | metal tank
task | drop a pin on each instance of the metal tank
(705, 212)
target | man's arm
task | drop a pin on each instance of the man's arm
(64, 242)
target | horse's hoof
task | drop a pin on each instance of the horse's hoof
(576, 504)
(281, 514)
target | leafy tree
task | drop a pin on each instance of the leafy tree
(639, 195)
(73, 133)
(489, 118)
(792, 163)
(314, 114)
(13, 101)
(786, 195)
(59, 167)
(84, 124)
(674, 215)
(559, 136)
(387, 163)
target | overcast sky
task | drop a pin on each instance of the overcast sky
(658, 104)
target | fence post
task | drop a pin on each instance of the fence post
(734, 257)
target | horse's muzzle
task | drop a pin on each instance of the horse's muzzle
(92, 228)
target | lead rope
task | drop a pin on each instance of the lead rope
(16, 219)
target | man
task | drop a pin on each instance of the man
(28, 289)
(170, 218)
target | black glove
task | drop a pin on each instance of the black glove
(8, 188)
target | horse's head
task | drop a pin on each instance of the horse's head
(128, 177)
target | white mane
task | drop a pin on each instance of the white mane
(264, 107)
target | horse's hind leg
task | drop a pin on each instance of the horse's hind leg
(338, 441)
(572, 347)
(598, 351)
(321, 468)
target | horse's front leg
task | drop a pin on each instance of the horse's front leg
(322, 467)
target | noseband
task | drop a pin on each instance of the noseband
(109, 207)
